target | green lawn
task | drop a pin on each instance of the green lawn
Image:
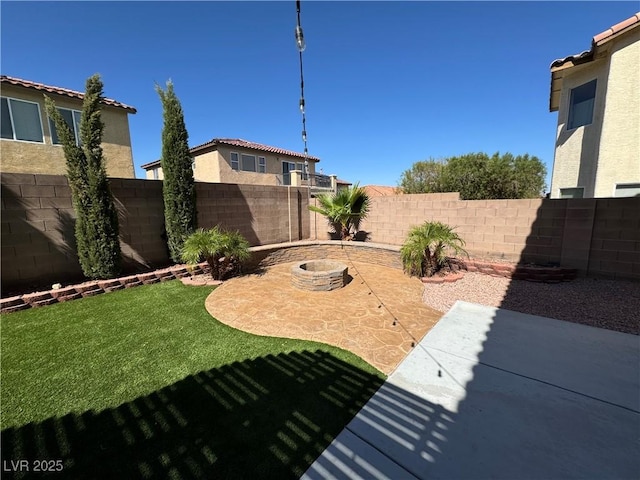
(144, 383)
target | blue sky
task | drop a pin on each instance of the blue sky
(386, 83)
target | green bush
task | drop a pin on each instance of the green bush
(424, 252)
(224, 251)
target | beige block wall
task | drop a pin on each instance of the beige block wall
(37, 231)
(572, 233)
(576, 154)
(619, 156)
(46, 158)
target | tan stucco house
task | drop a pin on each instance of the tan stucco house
(29, 143)
(597, 96)
(234, 160)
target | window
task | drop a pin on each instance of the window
(627, 190)
(248, 163)
(577, 192)
(300, 166)
(235, 164)
(262, 165)
(581, 106)
(72, 119)
(21, 120)
(155, 173)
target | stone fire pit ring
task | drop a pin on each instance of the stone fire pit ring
(319, 275)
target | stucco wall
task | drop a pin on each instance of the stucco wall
(215, 166)
(46, 158)
(620, 143)
(607, 151)
(576, 155)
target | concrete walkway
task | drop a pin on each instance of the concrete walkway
(491, 393)
(351, 317)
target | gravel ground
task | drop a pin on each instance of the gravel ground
(611, 304)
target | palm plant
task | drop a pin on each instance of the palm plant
(344, 209)
(424, 252)
(224, 251)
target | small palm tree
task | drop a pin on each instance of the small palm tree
(224, 251)
(344, 209)
(425, 250)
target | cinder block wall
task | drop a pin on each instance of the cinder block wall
(38, 242)
(597, 236)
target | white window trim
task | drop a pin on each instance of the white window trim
(262, 163)
(231, 162)
(76, 128)
(12, 123)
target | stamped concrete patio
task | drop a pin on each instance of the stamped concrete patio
(358, 317)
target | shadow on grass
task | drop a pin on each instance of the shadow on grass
(264, 418)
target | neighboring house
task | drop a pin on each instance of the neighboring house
(597, 96)
(233, 160)
(29, 142)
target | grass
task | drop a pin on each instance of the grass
(145, 383)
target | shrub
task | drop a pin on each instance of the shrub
(424, 252)
(224, 251)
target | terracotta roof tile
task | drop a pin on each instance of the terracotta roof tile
(238, 142)
(559, 66)
(617, 28)
(598, 40)
(60, 91)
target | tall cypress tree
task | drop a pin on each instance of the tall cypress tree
(96, 227)
(178, 187)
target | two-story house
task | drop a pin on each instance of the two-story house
(597, 96)
(29, 142)
(233, 160)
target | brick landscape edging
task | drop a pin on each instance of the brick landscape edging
(267, 255)
(89, 289)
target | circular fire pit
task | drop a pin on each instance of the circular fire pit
(319, 275)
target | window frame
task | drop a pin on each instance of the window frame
(255, 160)
(76, 126)
(236, 161)
(625, 185)
(13, 129)
(262, 165)
(155, 173)
(570, 188)
(572, 124)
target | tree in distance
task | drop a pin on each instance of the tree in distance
(477, 176)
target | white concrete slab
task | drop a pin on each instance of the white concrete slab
(491, 393)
